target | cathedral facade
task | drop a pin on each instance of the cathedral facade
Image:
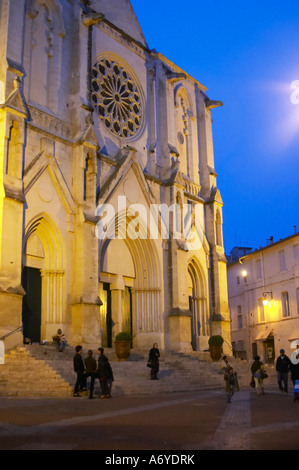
(110, 215)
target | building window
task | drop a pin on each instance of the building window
(261, 311)
(282, 260)
(296, 255)
(240, 319)
(258, 267)
(285, 304)
(117, 98)
(297, 297)
(238, 279)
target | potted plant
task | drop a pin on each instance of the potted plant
(123, 345)
(215, 344)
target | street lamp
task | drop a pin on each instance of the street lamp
(266, 296)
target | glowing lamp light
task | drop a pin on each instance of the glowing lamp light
(244, 273)
(266, 296)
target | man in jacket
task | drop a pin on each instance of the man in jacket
(80, 371)
(283, 365)
(104, 374)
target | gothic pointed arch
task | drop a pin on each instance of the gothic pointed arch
(197, 302)
(183, 116)
(44, 33)
(44, 250)
(146, 285)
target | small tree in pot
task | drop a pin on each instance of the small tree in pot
(123, 345)
(215, 344)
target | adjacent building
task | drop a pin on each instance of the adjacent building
(263, 290)
(99, 136)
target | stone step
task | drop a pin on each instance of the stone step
(43, 371)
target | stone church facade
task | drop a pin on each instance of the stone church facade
(91, 120)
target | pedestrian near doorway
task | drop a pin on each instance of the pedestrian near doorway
(153, 358)
(283, 365)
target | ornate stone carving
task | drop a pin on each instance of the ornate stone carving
(117, 98)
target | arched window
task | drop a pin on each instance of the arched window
(183, 115)
(43, 54)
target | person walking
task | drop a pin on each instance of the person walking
(90, 371)
(104, 374)
(283, 365)
(153, 357)
(110, 379)
(230, 383)
(257, 373)
(80, 371)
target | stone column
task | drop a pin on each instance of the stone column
(11, 219)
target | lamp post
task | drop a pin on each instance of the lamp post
(266, 296)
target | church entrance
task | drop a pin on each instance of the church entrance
(109, 298)
(195, 325)
(106, 316)
(129, 268)
(31, 312)
(269, 350)
(197, 307)
(43, 280)
(127, 320)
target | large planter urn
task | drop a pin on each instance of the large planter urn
(123, 346)
(215, 346)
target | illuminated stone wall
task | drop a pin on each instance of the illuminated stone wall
(89, 115)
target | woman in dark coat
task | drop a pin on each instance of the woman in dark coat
(153, 357)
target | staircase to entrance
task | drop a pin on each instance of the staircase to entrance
(42, 371)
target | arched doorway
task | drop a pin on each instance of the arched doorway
(131, 288)
(197, 305)
(43, 278)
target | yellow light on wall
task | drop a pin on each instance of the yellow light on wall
(266, 296)
(244, 273)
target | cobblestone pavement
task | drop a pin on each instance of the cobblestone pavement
(190, 421)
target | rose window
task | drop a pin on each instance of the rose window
(117, 98)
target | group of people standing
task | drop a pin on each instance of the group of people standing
(283, 366)
(100, 369)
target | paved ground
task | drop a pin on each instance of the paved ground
(175, 422)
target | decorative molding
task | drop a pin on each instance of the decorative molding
(123, 38)
(44, 121)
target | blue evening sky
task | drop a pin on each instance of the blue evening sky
(247, 54)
